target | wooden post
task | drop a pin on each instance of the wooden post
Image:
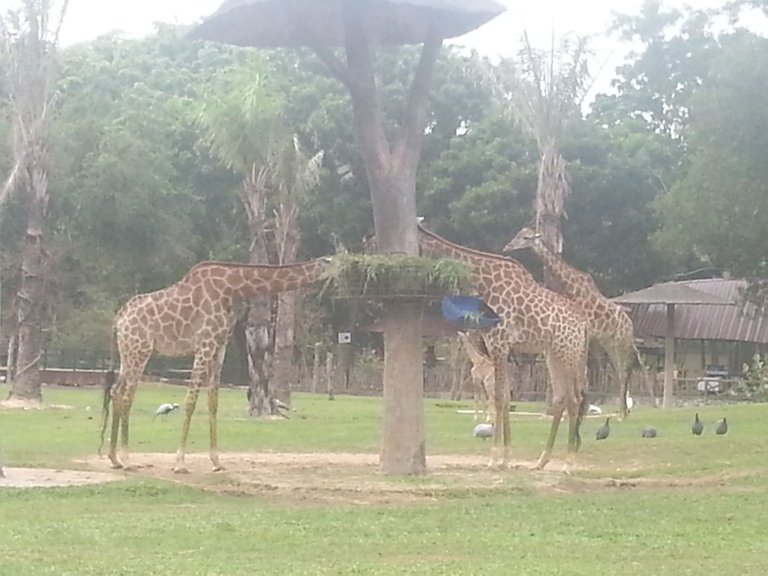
(669, 358)
(316, 368)
(329, 374)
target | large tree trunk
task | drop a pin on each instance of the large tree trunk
(287, 241)
(258, 340)
(403, 441)
(391, 170)
(30, 299)
(258, 326)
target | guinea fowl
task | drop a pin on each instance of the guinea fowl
(484, 431)
(722, 428)
(649, 432)
(697, 428)
(604, 430)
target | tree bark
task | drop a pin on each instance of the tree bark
(403, 441)
(30, 299)
(259, 327)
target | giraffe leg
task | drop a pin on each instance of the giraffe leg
(574, 437)
(558, 407)
(189, 409)
(621, 369)
(583, 404)
(125, 426)
(213, 404)
(116, 412)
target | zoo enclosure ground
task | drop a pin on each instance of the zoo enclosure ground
(304, 496)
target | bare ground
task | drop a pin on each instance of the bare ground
(327, 478)
(50, 478)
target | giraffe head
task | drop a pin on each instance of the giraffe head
(527, 237)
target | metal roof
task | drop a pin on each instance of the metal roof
(282, 23)
(737, 322)
(671, 293)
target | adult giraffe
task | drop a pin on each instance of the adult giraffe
(533, 320)
(609, 325)
(194, 316)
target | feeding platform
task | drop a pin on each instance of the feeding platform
(397, 277)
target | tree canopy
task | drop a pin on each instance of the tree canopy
(668, 173)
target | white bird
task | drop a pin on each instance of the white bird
(630, 403)
(484, 430)
(165, 409)
(279, 407)
(594, 410)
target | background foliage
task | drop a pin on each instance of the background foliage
(668, 172)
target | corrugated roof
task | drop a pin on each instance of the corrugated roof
(738, 322)
(671, 293)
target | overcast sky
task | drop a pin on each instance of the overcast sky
(87, 19)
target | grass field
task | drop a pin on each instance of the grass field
(676, 504)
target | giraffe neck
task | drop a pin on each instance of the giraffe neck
(434, 245)
(477, 357)
(244, 281)
(487, 268)
(554, 263)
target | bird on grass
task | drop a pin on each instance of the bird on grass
(722, 428)
(165, 409)
(594, 410)
(604, 430)
(697, 427)
(279, 407)
(649, 432)
(483, 431)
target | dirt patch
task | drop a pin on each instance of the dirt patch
(49, 478)
(355, 478)
(338, 477)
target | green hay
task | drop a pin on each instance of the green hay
(383, 276)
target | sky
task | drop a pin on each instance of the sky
(87, 19)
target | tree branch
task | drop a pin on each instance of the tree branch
(408, 143)
(367, 112)
(336, 66)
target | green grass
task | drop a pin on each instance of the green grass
(673, 505)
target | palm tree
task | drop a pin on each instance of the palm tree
(246, 129)
(543, 91)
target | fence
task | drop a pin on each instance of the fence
(528, 376)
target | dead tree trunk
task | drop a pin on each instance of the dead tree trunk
(30, 37)
(30, 299)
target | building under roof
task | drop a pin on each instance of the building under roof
(734, 321)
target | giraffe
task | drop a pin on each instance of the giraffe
(482, 374)
(609, 325)
(194, 316)
(534, 320)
